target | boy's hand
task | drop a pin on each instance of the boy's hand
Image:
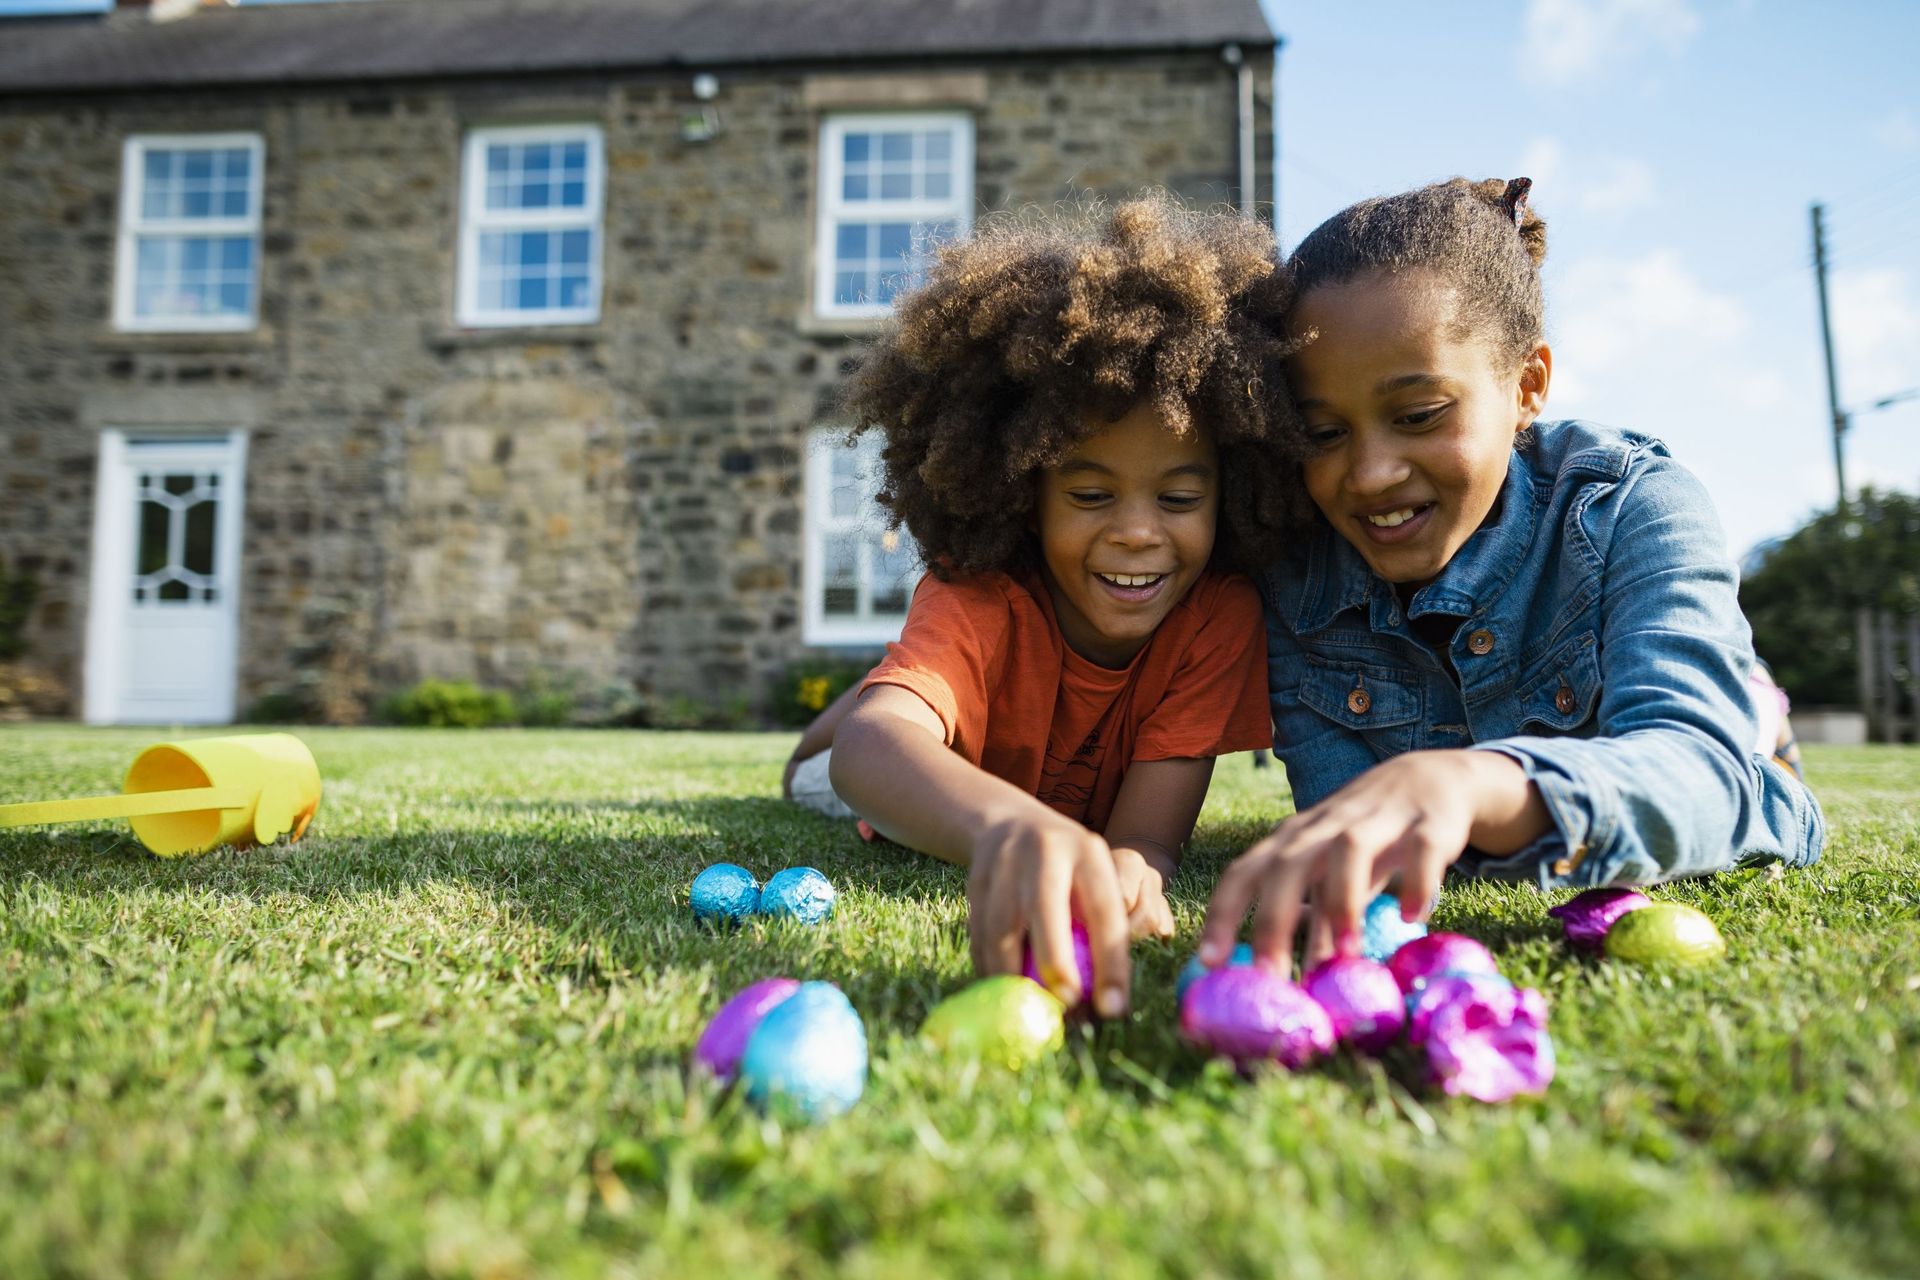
(1410, 818)
(1029, 878)
(1143, 893)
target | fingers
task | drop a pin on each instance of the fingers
(1319, 938)
(1422, 866)
(1097, 890)
(1151, 917)
(1281, 890)
(1048, 889)
(1344, 888)
(994, 923)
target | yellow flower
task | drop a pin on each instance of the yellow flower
(813, 692)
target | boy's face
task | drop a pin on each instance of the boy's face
(1126, 524)
(1411, 422)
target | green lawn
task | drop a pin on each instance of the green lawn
(445, 1035)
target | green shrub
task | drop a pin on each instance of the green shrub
(807, 687)
(545, 701)
(18, 591)
(678, 711)
(440, 704)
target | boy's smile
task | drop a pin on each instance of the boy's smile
(1126, 525)
(1412, 422)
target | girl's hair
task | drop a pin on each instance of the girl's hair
(1480, 237)
(1030, 333)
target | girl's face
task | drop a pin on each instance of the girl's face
(1126, 524)
(1411, 422)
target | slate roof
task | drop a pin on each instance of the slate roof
(407, 39)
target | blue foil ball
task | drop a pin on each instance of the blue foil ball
(799, 893)
(809, 1052)
(1385, 932)
(1194, 970)
(724, 892)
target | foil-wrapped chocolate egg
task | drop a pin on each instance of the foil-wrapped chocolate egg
(809, 1053)
(1438, 953)
(1082, 963)
(1252, 1014)
(1587, 916)
(1384, 932)
(798, 893)
(1488, 1041)
(1442, 989)
(1004, 1020)
(725, 1040)
(1193, 970)
(1666, 933)
(1361, 999)
(724, 892)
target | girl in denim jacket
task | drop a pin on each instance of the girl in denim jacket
(1511, 646)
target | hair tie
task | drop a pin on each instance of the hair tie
(1514, 199)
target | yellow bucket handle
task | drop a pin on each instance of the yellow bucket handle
(139, 804)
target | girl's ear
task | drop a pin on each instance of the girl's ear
(1536, 373)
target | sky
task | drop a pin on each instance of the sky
(1675, 147)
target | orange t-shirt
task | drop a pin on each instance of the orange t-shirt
(986, 654)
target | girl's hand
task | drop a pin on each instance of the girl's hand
(1143, 891)
(1029, 878)
(1409, 818)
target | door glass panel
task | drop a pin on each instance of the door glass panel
(156, 518)
(199, 548)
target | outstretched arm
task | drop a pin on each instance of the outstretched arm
(818, 736)
(1028, 866)
(1153, 817)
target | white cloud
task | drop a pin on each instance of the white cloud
(1571, 39)
(1898, 132)
(1605, 185)
(1642, 342)
(1876, 333)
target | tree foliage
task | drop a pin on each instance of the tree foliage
(1802, 598)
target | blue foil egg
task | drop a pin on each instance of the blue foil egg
(724, 892)
(809, 1053)
(1194, 970)
(1385, 932)
(798, 893)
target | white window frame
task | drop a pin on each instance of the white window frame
(476, 220)
(833, 208)
(135, 226)
(865, 628)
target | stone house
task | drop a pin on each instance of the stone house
(348, 345)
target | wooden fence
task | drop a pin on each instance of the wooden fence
(1889, 649)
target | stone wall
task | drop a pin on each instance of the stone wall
(619, 502)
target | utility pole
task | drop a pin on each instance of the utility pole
(1839, 415)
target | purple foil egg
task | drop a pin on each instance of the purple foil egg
(1443, 989)
(1589, 915)
(1361, 999)
(1437, 953)
(1082, 961)
(724, 1042)
(1253, 1014)
(1490, 1045)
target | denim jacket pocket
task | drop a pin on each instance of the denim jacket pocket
(1381, 705)
(1561, 694)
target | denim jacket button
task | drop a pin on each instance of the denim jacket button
(1480, 642)
(1563, 867)
(1563, 700)
(1359, 702)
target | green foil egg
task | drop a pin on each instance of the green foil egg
(1006, 1020)
(1665, 933)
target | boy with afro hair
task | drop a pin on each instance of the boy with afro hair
(1087, 435)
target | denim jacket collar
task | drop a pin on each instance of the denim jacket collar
(1339, 579)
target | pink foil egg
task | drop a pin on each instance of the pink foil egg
(1082, 961)
(1490, 1044)
(1589, 915)
(1252, 1014)
(1362, 1001)
(724, 1042)
(1442, 990)
(1437, 953)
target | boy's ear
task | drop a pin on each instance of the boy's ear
(1536, 374)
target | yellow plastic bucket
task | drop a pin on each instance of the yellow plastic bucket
(188, 797)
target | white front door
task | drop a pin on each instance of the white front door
(162, 629)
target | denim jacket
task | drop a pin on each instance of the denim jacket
(1601, 647)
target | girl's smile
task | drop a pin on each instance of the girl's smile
(1412, 421)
